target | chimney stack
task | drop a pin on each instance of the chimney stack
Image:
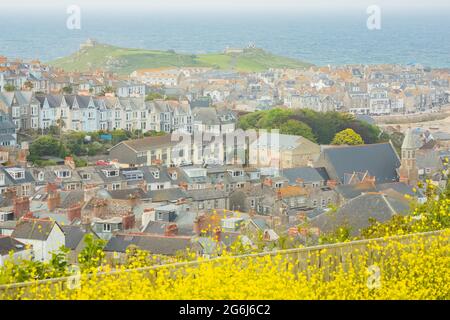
(68, 161)
(74, 212)
(128, 221)
(133, 200)
(171, 230)
(100, 208)
(21, 207)
(53, 198)
(331, 183)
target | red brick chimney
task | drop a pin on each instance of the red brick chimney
(268, 182)
(51, 187)
(133, 200)
(68, 161)
(100, 208)
(183, 185)
(74, 212)
(21, 207)
(331, 183)
(171, 230)
(53, 201)
(128, 221)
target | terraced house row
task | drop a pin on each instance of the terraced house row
(91, 113)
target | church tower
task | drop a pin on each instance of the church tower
(408, 169)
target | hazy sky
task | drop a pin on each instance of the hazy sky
(227, 5)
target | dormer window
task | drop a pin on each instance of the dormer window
(106, 227)
(237, 173)
(63, 174)
(134, 175)
(41, 176)
(174, 175)
(16, 173)
(111, 173)
(86, 176)
(155, 174)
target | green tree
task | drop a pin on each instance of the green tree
(297, 128)
(274, 119)
(153, 133)
(67, 90)
(9, 87)
(153, 96)
(119, 135)
(348, 137)
(92, 254)
(324, 125)
(46, 146)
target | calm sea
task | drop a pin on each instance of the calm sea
(326, 38)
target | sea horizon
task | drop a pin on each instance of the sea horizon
(320, 38)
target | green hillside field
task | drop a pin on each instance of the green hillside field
(125, 61)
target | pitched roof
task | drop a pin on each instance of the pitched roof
(33, 229)
(410, 141)
(8, 244)
(206, 194)
(357, 212)
(74, 235)
(172, 194)
(380, 160)
(153, 243)
(307, 174)
(148, 143)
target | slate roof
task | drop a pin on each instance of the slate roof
(6, 137)
(380, 160)
(8, 244)
(207, 116)
(74, 235)
(410, 141)
(33, 229)
(357, 212)
(184, 225)
(154, 244)
(351, 191)
(10, 181)
(172, 194)
(148, 143)
(307, 174)
(428, 159)
(207, 194)
(156, 227)
(124, 194)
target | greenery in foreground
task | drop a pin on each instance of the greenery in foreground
(417, 268)
(319, 127)
(125, 61)
(409, 270)
(75, 144)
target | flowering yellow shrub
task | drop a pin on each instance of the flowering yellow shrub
(415, 267)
